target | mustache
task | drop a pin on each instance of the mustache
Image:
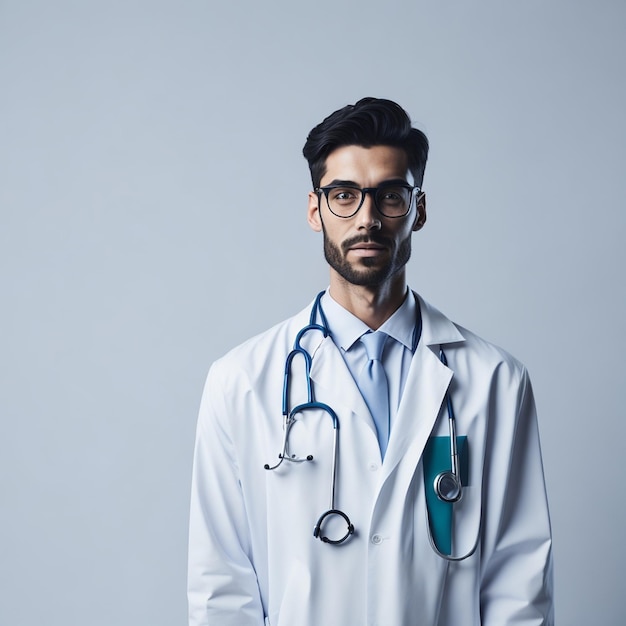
(376, 238)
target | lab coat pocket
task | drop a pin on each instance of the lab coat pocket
(454, 526)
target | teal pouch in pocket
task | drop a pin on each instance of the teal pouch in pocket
(437, 460)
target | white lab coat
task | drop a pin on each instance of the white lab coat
(253, 559)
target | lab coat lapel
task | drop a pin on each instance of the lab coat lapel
(421, 402)
(424, 392)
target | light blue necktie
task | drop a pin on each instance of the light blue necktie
(373, 384)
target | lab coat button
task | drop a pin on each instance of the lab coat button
(377, 539)
(373, 467)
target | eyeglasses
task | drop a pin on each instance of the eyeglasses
(391, 200)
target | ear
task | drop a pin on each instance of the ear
(420, 218)
(313, 213)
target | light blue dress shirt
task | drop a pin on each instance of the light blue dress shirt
(345, 330)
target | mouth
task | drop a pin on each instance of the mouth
(366, 248)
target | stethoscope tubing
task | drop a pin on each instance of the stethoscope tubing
(450, 478)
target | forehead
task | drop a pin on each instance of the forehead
(366, 166)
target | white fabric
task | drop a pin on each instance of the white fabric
(252, 554)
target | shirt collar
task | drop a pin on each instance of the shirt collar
(345, 328)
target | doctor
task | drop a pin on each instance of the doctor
(374, 431)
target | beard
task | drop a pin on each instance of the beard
(371, 274)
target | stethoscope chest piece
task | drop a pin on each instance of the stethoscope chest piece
(447, 487)
(317, 531)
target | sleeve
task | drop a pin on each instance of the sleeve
(516, 583)
(222, 583)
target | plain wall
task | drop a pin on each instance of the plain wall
(152, 215)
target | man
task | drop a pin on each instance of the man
(370, 515)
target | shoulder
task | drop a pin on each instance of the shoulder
(488, 350)
(489, 357)
(258, 354)
(465, 349)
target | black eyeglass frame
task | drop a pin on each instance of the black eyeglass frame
(364, 191)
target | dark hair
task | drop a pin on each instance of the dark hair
(369, 122)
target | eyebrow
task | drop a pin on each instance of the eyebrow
(351, 183)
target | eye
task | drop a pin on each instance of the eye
(344, 195)
(392, 195)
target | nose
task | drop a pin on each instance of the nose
(368, 217)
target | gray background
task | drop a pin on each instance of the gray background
(153, 198)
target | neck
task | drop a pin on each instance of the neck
(372, 305)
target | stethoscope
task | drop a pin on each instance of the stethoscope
(447, 484)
